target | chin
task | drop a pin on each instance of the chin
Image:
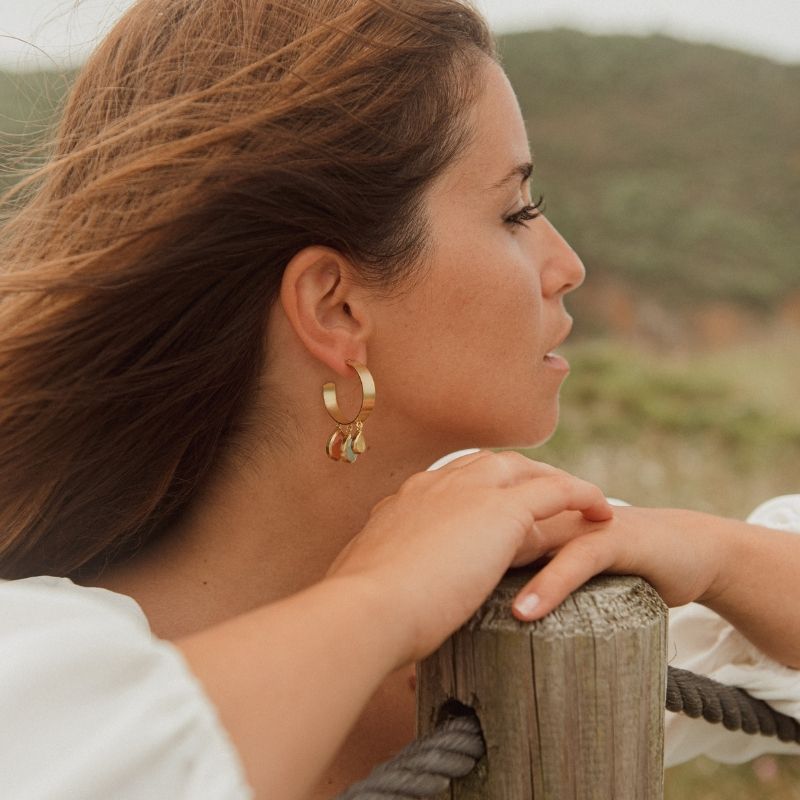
(538, 433)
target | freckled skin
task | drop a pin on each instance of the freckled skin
(475, 331)
(474, 335)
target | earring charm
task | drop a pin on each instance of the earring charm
(347, 442)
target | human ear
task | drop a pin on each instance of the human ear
(326, 307)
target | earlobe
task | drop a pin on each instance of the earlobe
(325, 307)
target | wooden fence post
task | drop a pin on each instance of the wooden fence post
(571, 706)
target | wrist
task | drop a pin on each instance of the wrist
(731, 542)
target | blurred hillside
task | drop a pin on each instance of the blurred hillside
(27, 105)
(672, 168)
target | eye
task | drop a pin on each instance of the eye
(526, 213)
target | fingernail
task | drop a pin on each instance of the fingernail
(527, 605)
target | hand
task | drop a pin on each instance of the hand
(438, 547)
(679, 552)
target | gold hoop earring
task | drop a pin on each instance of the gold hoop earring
(347, 442)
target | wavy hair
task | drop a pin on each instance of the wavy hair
(204, 143)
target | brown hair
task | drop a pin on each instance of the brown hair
(204, 143)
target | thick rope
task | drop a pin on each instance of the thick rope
(698, 696)
(426, 766)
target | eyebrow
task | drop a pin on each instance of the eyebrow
(521, 171)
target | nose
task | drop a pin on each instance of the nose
(561, 269)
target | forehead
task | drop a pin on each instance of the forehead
(498, 137)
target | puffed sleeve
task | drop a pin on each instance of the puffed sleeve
(703, 642)
(96, 707)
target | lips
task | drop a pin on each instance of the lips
(553, 360)
(556, 361)
(565, 331)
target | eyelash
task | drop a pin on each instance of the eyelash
(527, 213)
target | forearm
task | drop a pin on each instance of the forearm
(290, 679)
(758, 586)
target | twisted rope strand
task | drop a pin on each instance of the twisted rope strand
(698, 696)
(427, 765)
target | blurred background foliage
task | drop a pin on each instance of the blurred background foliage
(673, 169)
(716, 430)
(29, 103)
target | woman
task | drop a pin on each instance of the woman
(248, 200)
(243, 197)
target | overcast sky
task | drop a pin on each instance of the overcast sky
(66, 29)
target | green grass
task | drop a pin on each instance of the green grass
(765, 778)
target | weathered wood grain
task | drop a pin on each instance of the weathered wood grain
(571, 706)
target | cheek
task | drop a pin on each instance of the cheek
(506, 301)
(490, 265)
(480, 308)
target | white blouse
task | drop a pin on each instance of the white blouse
(701, 641)
(94, 706)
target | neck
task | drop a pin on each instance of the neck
(272, 526)
(262, 535)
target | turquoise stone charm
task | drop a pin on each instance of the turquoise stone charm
(347, 450)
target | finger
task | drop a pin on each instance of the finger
(547, 536)
(551, 494)
(571, 567)
(533, 548)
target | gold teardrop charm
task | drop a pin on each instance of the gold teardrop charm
(334, 446)
(360, 444)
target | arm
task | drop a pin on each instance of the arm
(746, 573)
(290, 679)
(757, 586)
